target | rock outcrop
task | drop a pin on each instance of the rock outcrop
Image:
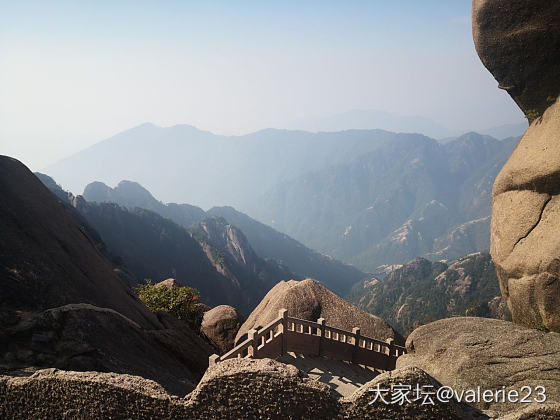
(367, 403)
(308, 300)
(46, 260)
(170, 283)
(220, 325)
(465, 353)
(519, 42)
(84, 337)
(526, 213)
(233, 389)
(63, 306)
(238, 388)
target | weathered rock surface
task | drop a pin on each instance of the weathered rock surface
(465, 353)
(238, 388)
(368, 404)
(525, 216)
(83, 337)
(519, 42)
(309, 300)
(51, 393)
(261, 388)
(62, 305)
(233, 389)
(220, 325)
(46, 259)
(169, 283)
(535, 412)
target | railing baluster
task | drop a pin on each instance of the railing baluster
(257, 340)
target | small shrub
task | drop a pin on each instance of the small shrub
(532, 115)
(178, 301)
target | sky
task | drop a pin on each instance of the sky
(73, 73)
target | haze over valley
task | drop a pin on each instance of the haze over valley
(366, 197)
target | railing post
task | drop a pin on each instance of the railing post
(213, 359)
(321, 331)
(283, 314)
(390, 343)
(254, 346)
(356, 332)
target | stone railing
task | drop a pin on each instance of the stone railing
(287, 334)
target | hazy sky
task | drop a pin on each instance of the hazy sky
(73, 73)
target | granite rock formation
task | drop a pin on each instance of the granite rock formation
(309, 300)
(360, 404)
(62, 305)
(220, 325)
(519, 42)
(465, 353)
(238, 388)
(233, 389)
(46, 259)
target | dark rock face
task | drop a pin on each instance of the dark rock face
(62, 305)
(46, 260)
(220, 325)
(83, 337)
(519, 42)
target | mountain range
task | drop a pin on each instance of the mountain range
(368, 119)
(365, 197)
(264, 240)
(423, 291)
(412, 197)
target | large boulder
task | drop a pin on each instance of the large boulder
(466, 353)
(56, 394)
(84, 337)
(369, 402)
(261, 388)
(525, 215)
(308, 300)
(243, 388)
(519, 42)
(220, 325)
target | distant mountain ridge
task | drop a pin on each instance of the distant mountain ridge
(184, 164)
(131, 194)
(157, 248)
(365, 197)
(412, 197)
(267, 242)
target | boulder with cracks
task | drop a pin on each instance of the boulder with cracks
(519, 42)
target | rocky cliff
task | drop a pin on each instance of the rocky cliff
(62, 305)
(519, 42)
